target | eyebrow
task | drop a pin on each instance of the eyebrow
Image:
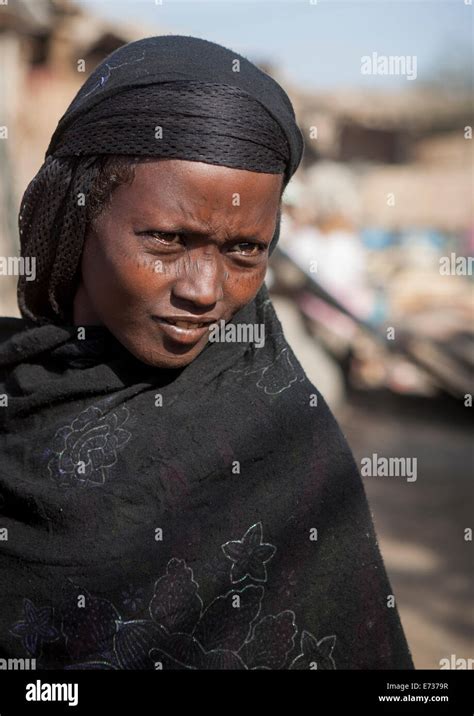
(180, 229)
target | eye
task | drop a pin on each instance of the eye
(248, 248)
(164, 238)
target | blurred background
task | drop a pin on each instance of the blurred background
(373, 277)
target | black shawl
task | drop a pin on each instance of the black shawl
(210, 517)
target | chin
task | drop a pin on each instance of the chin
(164, 358)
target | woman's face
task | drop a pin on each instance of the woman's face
(185, 244)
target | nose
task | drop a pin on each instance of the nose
(199, 279)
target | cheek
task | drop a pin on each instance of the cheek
(241, 286)
(117, 271)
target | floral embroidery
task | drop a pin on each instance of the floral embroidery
(278, 376)
(85, 450)
(183, 633)
(88, 623)
(273, 639)
(249, 555)
(35, 628)
(132, 598)
(315, 654)
(176, 603)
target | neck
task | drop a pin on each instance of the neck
(83, 311)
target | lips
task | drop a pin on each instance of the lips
(183, 331)
(184, 324)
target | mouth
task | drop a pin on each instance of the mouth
(188, 325)
(182, 331)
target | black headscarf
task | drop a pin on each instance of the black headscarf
(210, 517)
(168, 96)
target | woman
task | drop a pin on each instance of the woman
(175, 493)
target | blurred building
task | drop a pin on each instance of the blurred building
(407, 143)
(47, 48)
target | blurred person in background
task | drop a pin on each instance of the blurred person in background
(325, 242)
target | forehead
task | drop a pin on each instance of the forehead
(196, 188)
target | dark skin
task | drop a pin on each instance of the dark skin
(185, 241)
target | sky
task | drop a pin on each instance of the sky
(318, 44)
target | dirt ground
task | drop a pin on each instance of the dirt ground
(420, 524)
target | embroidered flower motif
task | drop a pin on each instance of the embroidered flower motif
(85, 450)
(315, 654)
(218, 635)
(176, 603)
(132, 598)
(88, 623)
(36, 627)
(249, 555)
(182, 633)
(133, 642)
(216, 570)
(226, 623)
(272, 640)
(277, 376)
